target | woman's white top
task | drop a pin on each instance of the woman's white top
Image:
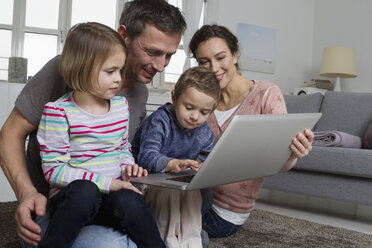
(230, 216)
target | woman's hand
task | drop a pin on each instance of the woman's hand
(300, 147)
(302, 144)
(178, 165)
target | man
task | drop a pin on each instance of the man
(152, 30)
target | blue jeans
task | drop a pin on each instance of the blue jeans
(90, 236)
(213, 224)
(80, 204)
(217, 227)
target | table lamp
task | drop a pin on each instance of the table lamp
(338, 62)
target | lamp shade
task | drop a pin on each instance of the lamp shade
(338, 61)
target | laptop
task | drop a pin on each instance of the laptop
(252, 146)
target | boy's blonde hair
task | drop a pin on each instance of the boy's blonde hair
(87, 47)
(202, 79)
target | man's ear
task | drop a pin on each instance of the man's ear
(173, 97)
(122, 31)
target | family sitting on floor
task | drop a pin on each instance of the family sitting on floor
(84, 113)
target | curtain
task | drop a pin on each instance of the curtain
(192, 10)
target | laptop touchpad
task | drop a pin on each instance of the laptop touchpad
(185, 179)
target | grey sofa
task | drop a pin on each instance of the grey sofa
(332, 172)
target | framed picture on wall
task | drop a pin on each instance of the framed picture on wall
(257, 48)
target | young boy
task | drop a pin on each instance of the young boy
(173, 138)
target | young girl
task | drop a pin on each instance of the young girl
(85, 153)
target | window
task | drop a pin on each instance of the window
(6, 12)
(99, 11)
(5, 46)
(42, 19)
(39, 35)
(28, 32)
(175, 67)
(172, 72)
(39, 49)
(6, 20)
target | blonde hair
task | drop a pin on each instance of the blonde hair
(202, 79)
(87, 47)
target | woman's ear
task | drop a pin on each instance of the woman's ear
(235, 58)
(173, 97)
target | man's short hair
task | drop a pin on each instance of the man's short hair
(162, 15)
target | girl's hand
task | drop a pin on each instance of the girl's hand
(118, 185)
(133, 170)
(301, 144)
(177, 165)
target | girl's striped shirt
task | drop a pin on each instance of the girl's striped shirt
(77, 145)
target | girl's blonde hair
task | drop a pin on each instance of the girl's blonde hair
(87, 47)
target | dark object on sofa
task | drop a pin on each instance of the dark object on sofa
(336, 139)
(332, 172)
(367, 138)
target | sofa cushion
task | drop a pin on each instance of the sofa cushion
(349, 112)
(303, 103)
(343, 188)
(367, 138)
(337, 160)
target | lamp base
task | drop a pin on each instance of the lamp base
(337, 85)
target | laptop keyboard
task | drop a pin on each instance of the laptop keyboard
(184, 179)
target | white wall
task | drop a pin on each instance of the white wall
(293, 21)
(304, 28)
(8, 95)
(345, 23)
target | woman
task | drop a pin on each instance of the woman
(216, 48)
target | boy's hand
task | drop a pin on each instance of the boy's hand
(177, 165)
(133, 170)
(118, 185)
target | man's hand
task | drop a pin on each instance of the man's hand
(178, 165)
(13, 135)
(27, 229)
